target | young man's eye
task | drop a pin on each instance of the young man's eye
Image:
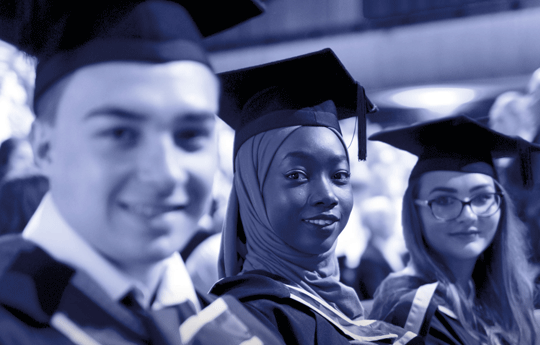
(123, 135)
(192, 139)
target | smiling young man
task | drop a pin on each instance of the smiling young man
(125, 135)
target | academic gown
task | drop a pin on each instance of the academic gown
(419, 306)
(43, 301)
(282, 308)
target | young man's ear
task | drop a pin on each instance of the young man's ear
(40, 138)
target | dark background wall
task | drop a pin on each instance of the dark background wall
(486, 39)
(492, 45)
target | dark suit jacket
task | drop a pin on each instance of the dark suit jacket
(37, 293)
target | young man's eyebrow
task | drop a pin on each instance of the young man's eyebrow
(115, 112)
(197, 117)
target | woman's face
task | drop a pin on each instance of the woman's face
(307, 192)
(467, 236)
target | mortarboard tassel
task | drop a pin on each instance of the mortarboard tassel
(361, 110)
(525, 164)
(364, 107)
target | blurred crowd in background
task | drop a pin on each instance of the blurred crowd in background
(370, 247)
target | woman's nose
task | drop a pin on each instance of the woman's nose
(467, 213)
(323, 193)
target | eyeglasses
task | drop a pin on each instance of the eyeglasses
(448, 208)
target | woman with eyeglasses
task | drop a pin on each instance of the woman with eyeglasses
(468, 280)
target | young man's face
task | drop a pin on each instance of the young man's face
(132, 156)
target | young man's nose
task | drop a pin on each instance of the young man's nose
(160, 165)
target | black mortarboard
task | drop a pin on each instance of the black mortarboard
(270, 96)
(458, 143)
(67, 35)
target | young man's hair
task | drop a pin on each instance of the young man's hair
(47, 105)
(502, 304)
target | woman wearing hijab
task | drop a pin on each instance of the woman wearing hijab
(291, 199)
(468, 280)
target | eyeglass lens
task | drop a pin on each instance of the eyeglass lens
(483, 205)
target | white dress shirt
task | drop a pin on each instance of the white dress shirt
(49, 230)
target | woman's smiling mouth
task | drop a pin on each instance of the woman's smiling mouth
(322, 220)
(468, 233)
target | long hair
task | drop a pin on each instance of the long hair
(501, 308)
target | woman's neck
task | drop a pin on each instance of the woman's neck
(462, 271)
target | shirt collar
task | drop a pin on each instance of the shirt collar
(47, 227)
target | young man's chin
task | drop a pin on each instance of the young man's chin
(145, 256)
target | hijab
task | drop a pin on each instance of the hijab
(262, 249)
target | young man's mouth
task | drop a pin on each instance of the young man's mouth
(149, 210)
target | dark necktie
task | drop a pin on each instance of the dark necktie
(162, 325)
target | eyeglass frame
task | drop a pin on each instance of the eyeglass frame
(428, 203)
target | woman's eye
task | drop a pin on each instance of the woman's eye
(483, 199)
(443, 200)
(296, 176)
(342, 176)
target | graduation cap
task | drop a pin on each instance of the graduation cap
(458, 143)
(67, 35)
(274, 95)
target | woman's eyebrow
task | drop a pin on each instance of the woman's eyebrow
(305, 155)
(443, 189)
(482, 186)
(297, 154)
(453, 190)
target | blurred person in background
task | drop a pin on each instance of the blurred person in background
(383, 254)
(508, 115)
(19, 199)
(16, 158)
(515, 113)
(523, 119)
(353, 239)
(533, 96)
(126, 104)
(468, 280)
(384, 174)
(202, 261)
(529, 201)
(202, 264)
